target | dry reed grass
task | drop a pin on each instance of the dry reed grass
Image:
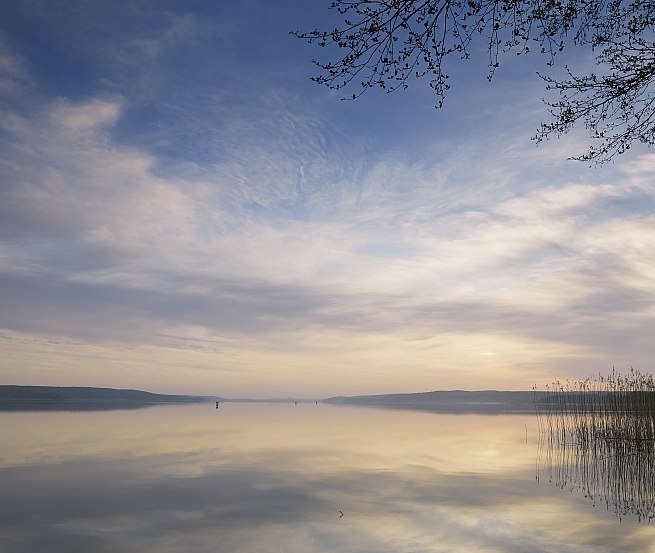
(597, 436)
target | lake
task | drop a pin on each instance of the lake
(297, 478)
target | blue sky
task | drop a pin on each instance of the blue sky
(183, 210)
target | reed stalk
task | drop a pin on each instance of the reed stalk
(598, 436)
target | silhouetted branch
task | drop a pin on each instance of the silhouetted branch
(386, 43)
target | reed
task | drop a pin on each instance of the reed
(598, 436)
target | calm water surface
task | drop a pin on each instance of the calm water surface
(276, 478)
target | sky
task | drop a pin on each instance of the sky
(183, 210)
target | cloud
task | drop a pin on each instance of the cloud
(274, 227)
(66, 180)
(13, 75)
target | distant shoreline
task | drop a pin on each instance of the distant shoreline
(448, 401)
(79, 398)
(84, 398)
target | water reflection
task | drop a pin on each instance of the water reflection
(607, 456)
(276, 477)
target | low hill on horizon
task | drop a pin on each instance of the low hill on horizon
(457, 401)
(17, 397)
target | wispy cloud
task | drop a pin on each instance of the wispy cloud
(165, 216)
(105, 249)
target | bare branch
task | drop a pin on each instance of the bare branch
(387, 43)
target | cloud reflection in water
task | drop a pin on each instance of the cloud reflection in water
(274, 477)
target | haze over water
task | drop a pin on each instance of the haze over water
(276, 477)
